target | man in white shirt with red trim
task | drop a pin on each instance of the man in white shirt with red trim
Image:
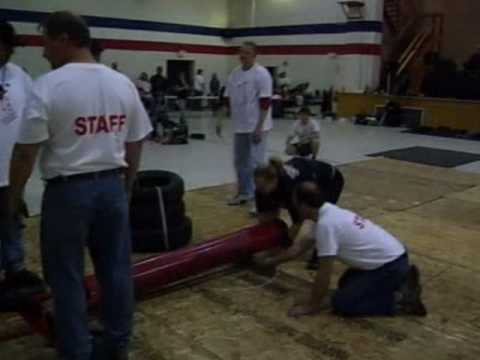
(380, 280)
(89, 122)
(15, 91)
(249, 89)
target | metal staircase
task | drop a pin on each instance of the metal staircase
(413, 35)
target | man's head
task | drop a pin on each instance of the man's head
(304, 114)
(96, 49)
(308, 199)
(64, 35)
(248, 54)
(8, 41)
(199, 72)
(159, 70)
(115, 66)
(267, 177)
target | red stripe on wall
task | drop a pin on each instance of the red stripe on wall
(138, 45)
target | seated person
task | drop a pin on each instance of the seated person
(276, 182)
(380, 281)
(305, 137)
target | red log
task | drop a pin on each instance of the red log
(157, 272)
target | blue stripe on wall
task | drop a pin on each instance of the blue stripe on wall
(107, 22)
(117, 23)
(337, 28)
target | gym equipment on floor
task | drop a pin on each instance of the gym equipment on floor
(169, 269)
(157, 213)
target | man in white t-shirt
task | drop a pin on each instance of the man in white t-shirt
(199, 83)
(304, 139)
(380, 280)
(89, 122)
(15, 91)
(249, 89)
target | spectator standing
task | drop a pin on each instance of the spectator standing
(200, 83)
(159, 84)
(145, 90)
(249, 90)
(215, 85)
(15, 94)
(91, 140)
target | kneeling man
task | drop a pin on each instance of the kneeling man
(380, 280)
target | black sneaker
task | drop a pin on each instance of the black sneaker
(410, 300)
(18, 290)
(312, 265)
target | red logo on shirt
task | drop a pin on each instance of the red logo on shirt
(92, 125)
(359, 222)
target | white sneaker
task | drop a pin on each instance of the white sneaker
(253, 211)
(238, 200)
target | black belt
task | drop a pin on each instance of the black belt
(86, 176)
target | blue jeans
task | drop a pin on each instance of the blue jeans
(89, 213)
(370, 293)
(12, 254)
(247, 156)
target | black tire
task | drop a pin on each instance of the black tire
(147, 241)
(172, 185)
(148, 214)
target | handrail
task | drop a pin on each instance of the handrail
(424, 36)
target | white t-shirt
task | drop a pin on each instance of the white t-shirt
(245, 89)
(199, 83)
(306, 132)
(18, 89)
(357, 242)
(144, 86)
(84, 114)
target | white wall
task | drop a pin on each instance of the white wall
(211, 13)
(344, 72)
(191, 12)
(349, 72)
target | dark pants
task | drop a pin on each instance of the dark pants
(93, 213)
(12, 253)
(370, 293)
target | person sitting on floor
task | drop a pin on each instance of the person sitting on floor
(304, 139)
(380, 281)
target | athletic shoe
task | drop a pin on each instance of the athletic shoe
(253, 211)
(101, 352)
(409, 296)
(18, 289)
(239, 200)
(312, 264)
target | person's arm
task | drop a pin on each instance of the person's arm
(22, 163)
(315, 134)
(268, 216)
(139, 128)
(32, 133)
(316, 301)
(265, 91)
(133, 155)
(302, 242)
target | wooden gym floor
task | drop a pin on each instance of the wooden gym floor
(239, 315)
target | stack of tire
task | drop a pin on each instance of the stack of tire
(157, 213)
